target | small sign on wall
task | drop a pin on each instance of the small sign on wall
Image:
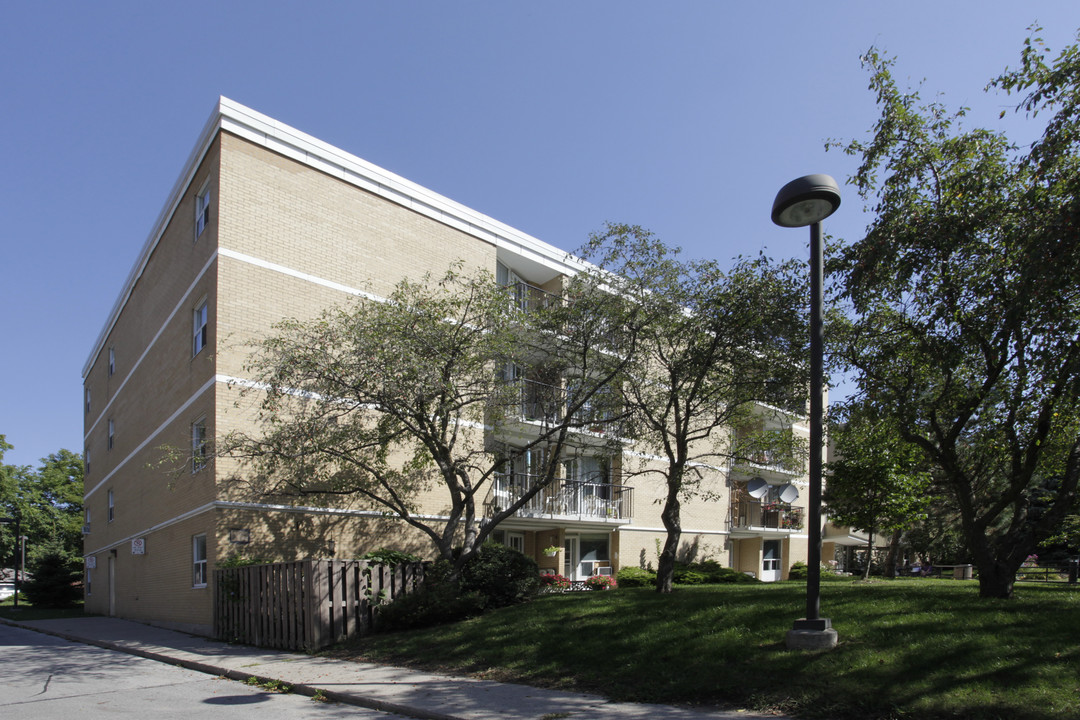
(138, 546)
(91, 562)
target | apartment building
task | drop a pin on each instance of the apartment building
(265, 223)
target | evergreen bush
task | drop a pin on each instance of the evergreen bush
(56, 581)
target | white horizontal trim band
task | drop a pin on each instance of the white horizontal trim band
(206, 386)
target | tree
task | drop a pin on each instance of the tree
(876, 484)
(703, 345)
(47, 502)
(965, 315)
(386, 400)
(56, 580)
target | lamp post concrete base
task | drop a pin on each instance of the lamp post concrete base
(815, 634)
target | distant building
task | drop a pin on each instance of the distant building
(264, 223)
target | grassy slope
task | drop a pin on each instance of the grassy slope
(909, 648)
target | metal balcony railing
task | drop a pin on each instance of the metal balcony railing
(581, 499)
(541, 401)
(747, 513)
(529, 297)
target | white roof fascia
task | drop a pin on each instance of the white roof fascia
(303, 148)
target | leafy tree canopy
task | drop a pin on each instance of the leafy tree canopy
(388, 404)
(965, 312)
(703, 345)
(48, 503)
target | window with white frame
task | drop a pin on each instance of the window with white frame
(87, 401)
(112, 433)
(199, 328)
(112, 361)
(198, 561)
(112, 506)
(198, 445)
(202, 209)
(509, 539)
(86, 461)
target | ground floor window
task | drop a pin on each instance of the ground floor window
(198, 556)
(510, 539)
(586, 555)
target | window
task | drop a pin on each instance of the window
(86, 461)
(509, 539)
(198, 561)
(198, 445)
(112, 506)
(112, 361)
(87, 401)
(112, 433)
(89, 581)
(202, 210)
(199, 329)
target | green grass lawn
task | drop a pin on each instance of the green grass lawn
(908, 649)
(26, 611)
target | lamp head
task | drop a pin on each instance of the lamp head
(806, 201)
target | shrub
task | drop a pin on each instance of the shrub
(55, 582)
(554, 583)
(635, 577)
(600, 582)
(502, 575)
(731, 575)
(438, 600)
(684, 576)
(798, 571)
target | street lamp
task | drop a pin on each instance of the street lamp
(802, 202)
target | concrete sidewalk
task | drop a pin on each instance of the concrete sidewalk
(399, 690)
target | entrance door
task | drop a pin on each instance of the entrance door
(770, 561)
(570, 558)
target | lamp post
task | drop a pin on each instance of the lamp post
(807, 201)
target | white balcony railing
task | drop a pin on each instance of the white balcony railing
(566, 498)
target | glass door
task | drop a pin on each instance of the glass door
(770, 561)
(571, 558)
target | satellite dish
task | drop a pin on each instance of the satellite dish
(757, 488)
(789, 493)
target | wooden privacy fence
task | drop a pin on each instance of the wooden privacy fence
(305, 605)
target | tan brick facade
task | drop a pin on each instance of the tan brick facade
(294, 227)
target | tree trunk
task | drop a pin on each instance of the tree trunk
(869, 554)
(996, 580)
(665, 571)
(894, 553)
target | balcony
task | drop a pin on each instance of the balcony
(757, 515)
(564, 499)
(540, 402)
(529, 298)
(774, 463)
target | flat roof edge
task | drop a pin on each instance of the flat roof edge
(267, 132)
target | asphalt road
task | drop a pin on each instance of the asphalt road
(45, 678)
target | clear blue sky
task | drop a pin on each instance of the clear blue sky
(683, 117)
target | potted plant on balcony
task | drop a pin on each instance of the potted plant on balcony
(551, 550)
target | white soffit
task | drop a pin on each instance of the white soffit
(303, 148)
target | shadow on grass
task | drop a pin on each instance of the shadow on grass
(907, 648)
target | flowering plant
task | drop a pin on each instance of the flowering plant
(1031, 561)
(600, 582)
(551, 550)
(552, 583)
